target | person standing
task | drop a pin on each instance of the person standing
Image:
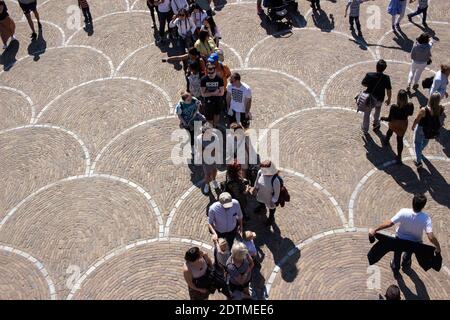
(412, 223)
(205, 140)
(206, 6)
(84, 6)
(212, 89)
(7, 25)
(421, 57)
(237, 186)
(377, 85)
(440, 81)
(178, 5)
(225, 219)
(29, 6)
(354, 6)
(239, 268)
(164, 16)
(187, 111)
(186, 29)
(221, 254)
(267, 188)
(205, 44)
(426, 126)
(422, 9)
(239, 100)
(152, 7)
(398, 121)
(397, 9)
(196, 271)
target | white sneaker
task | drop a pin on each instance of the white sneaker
(14, 37)
(215, 184)
(5, 46)
(206, 188)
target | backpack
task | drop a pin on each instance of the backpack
(284, 194)
(432, 127)
(427, 83)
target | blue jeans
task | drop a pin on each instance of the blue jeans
(420, 142)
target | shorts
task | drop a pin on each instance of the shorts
(212, 108)
(28, 7)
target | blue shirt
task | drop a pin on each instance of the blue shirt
(224, 220)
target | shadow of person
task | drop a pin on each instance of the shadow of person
(298, 21)
(89, 29)
(278, 245)
(322, 21)
(428, 30)
(38, 46)
(435, 183)
(8, 57)
(403, 41)
(421, 290)
(359, 40)
(444, 140)
(274, 28)
(219, 4)
(421, 98)
(377, 154)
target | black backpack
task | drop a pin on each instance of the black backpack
(428, 82)
(432, 126)
(284, 194)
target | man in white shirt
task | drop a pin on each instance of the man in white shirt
(440, 81)
(239, 100)
(225, 218)
(412, 224)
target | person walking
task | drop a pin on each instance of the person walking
(212, 89)
(7, 25)
(239, 269)
(225, 218)
(354, 6)
(152, 7)
(27, 7)
(209, 161)
(397, 9)
(421, 57)
(440, 81)
(84, 6)
(398, 121)
(377, 85)
(422, 9)
(412, 223)
(267, 189)
(239, 100)
(426, 126)
(196, 271)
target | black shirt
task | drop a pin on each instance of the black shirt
(377, 90)
(397, 113)
(211, 85)
(4, 14)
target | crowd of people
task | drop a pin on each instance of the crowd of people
(219, 100)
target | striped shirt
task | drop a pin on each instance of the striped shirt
(83, 4)
(354, 7)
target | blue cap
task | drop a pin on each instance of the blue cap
(213, 57)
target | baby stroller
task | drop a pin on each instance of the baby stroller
(279, 11)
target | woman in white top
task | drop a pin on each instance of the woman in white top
(185, 27)
(198, 15)
(267, 188)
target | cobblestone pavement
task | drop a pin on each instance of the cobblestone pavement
(92, 207)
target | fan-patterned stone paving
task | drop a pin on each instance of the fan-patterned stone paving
(92, 206)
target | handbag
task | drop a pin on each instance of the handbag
(365, 102)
